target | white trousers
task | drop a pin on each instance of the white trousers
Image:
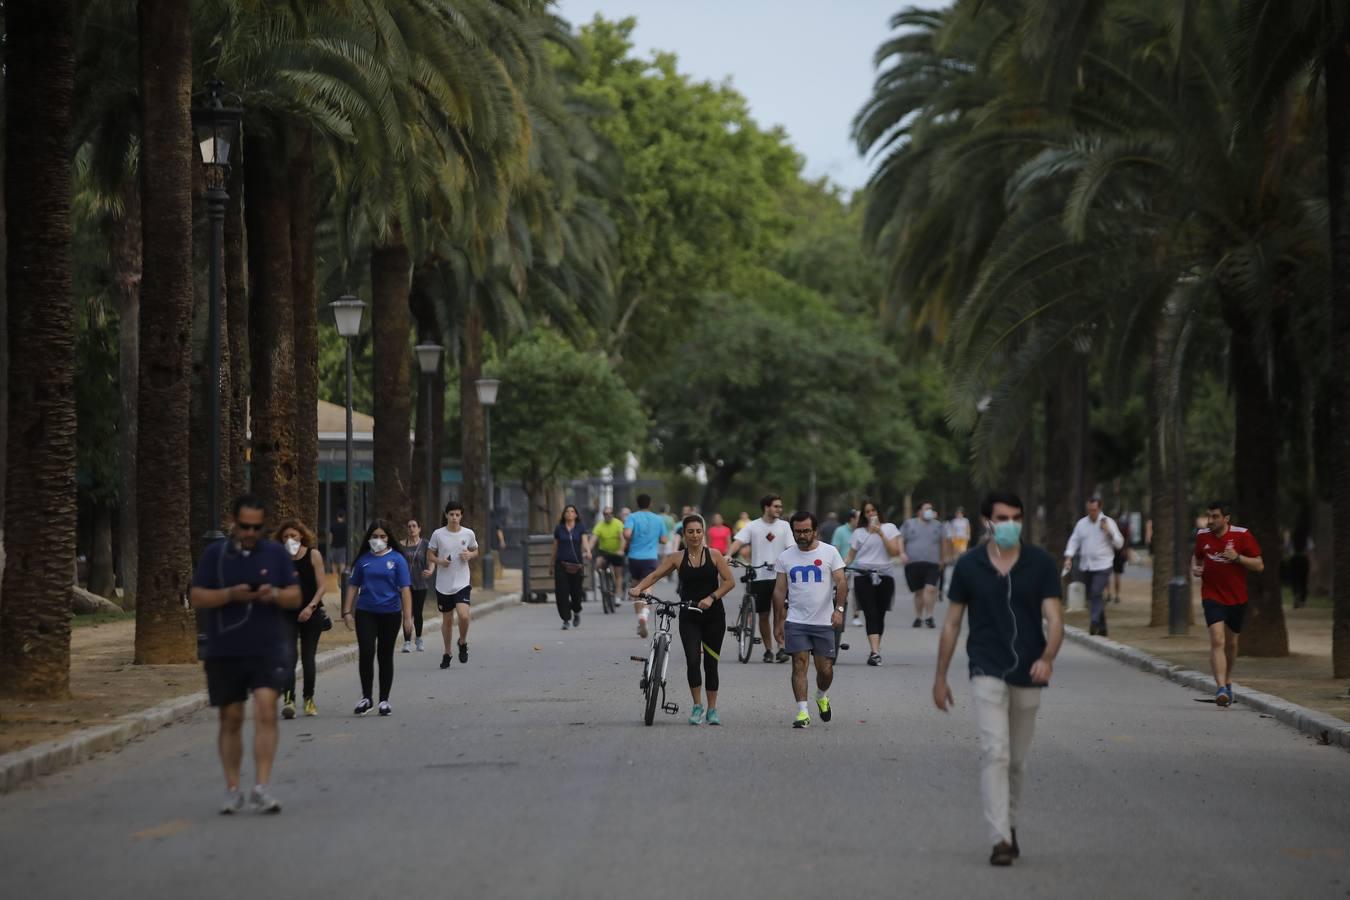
(1006, 716)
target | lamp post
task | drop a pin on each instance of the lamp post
(347, 311)
(216, 129)
(429, 360)
(487, 396)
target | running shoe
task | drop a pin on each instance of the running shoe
(713, 718)
(1221, 697)
(768, 656)
(929, 622)
(918, 623)
(782, 655)
(233, 803)
(385, 708)
(419, 645)
(642, 627)
(262, 801)
(823, 704)
(1002, 854)
(407, 646)
(1232, 698)
(567, 625)
(576, 620)
(696, 715)
(363, 707)
(803, 719)
(463, 652)
(288, 705)
(310, 708)
(857, 622)
(445, 660)
(874, 659)
(1016, 850)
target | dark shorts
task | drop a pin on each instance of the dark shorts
(762, 591)
(446, 602)
(639, 569)
(230, 679)
(1231, 616)
(919, 575)
(816, 639)
(614, 559)
(1118, 565)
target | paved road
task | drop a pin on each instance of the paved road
(528, 773)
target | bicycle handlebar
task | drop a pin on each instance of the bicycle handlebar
(669, 604)
(746, 565)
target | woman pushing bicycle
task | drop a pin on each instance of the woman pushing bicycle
(705, 578)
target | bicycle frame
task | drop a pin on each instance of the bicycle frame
(666, 612)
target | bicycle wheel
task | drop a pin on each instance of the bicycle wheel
(654, 682)
(607, 591)
(745, 630)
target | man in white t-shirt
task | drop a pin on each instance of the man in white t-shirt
(809, 598)
(767, 537)
(448, 556)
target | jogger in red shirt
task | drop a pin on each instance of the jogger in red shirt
(1224, 554)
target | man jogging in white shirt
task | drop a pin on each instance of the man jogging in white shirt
(1096, 538)
(810, 595)
(767, 537)
(448, 554)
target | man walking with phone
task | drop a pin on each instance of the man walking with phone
(243, 583)
(1224, 554)
(1097, 538)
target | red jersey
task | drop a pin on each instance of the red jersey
(1223, 581)
(719, 538)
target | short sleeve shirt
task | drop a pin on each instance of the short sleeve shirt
(245, 629)
(841, 537)
(923, 540)
(448, 545)
(1006, 635)
(869, 550)
(766, 543)
(648, 529)
(1223, 581)
(608, 536)
(381, 580)
(810, 582)
(570, 543)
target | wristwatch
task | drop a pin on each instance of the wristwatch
(839, 609)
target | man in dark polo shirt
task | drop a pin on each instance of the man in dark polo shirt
(1008, 588)
(244, 582)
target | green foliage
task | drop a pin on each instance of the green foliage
(561, 413)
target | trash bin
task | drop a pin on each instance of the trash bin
(536, 578)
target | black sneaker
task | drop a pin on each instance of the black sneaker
(445, 660)
(929, 622)
(463, 652)
(782, 655)
(566, 625)
(1002, 854)
(918, 623)
(768, 656)
(385, 708)
(576, 620)
(874, 659)
(363, 707)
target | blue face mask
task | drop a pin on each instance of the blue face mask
(1007, 535)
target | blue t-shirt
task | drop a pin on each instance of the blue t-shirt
(648, 529)
(245, 629)
(570, 543)
(381, 580)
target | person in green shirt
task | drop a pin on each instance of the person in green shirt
(608, 537)
(840, 540)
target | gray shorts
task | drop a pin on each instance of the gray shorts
(817, 639)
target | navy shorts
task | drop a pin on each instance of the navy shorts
(639, 569)
(230, 679)
(447, 602)
(800, 638)
(1231, 616)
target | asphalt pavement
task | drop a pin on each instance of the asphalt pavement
(528, 773)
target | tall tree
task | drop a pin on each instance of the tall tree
(126, 242)
(165, 631)
(304, 219)
(1337, 67)
(390, 327)
(40, 480)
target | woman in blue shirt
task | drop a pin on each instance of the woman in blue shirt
(379, 592)
(571, 550)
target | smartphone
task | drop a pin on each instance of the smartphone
(874, 520)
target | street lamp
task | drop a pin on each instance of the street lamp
(429, 360)
(347, 311)
(487, 397)
(216, 127)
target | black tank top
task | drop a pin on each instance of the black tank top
(309, 582)
(698, 582)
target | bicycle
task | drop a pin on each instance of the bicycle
(657, 660)
(744, 629)
(608, 590)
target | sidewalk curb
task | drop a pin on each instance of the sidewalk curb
(51, 756)
(1326, 728)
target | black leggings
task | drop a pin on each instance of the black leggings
(419, 596)
(567, 589)
(376, 633)
(701, 633)
(875, 600)
(307, 634)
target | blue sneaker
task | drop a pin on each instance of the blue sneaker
(696, 715)
(1222, 697)
(713, 718)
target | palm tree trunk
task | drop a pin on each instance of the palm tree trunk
(126, 247)
(1256, 461)
(303, 238)
(1060, 511)
(429, 432)
(40, 513)
(1337, 66)
(472, 436)
(390, 282)
(1160, 454)
(100, 550)
(165, 631)
(4, 374)
(267, 211)
(236, 330)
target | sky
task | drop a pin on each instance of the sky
(802, 64)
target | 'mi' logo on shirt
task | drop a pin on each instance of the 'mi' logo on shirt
(804, 574)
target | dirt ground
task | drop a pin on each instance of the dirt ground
(1302, 677)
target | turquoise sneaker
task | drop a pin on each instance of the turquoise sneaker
(713, 718)
(696, 715)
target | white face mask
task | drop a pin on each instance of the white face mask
(929, 515)
(292, 546)
(378, 545)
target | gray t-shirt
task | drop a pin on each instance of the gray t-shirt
(923, 540)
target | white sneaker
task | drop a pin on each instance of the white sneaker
(407, 646)
(419, 645)
(642, 626)
(856, 622)
(385, 708)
